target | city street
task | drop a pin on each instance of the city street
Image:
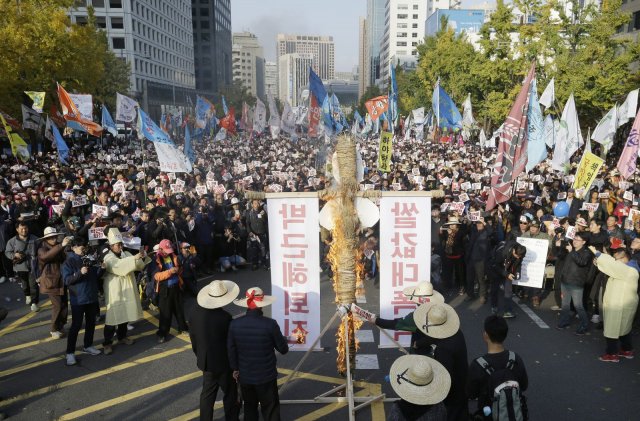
(161, 382)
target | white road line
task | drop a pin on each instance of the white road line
(367, 362)
(537, 320)
(364, 336)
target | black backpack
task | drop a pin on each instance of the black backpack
(507, 401)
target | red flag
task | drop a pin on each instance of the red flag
(71, 113)
(185, 121)
(15, 124)
(229, 121)
(314, 115)
(512, 147)
(244, 121)
(377, 106)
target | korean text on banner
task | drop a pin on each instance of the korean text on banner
(385, 151)
(534, 262)
(405, 247)
(172, 159)
(587, 171)
(295, 278)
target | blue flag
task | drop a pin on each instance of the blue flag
(358, 118)
(74, 125)
(188, 149)
(224, 106)
(61, 146)
(150, 130)
(393, 95)
(536, 146)
(447, 114)
(107, 121)
(339, 119)
(316, 86)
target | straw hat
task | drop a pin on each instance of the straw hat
(218, 294)
(423, 293)
(114, 237)
(420, 380)
(453, 221)
(436, 320)
(50, 232)
(254, 297)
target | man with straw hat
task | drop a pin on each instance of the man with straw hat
(422, 383)
(209, 328)
(120, 290)
(252, 340)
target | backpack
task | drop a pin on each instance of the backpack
(508, 404)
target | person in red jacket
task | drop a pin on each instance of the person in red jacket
(167, 274)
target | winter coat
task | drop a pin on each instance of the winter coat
(251, 344)
(208, 329)
(575, 270)
(479, 244)
(50, 259)
(83, 289)
(161, 275)
(28, 248)
(120, 289)
(257, 221)
(620, 300)
(203, 229)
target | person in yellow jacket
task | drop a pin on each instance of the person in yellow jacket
(120, 290)
(619, 303)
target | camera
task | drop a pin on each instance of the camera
(559, 230)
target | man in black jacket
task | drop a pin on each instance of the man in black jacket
(252, 341)
(208, 328)
(504, 267)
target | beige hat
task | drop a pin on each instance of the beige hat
(50, 232)
(423, 293)
(114, 237)
(420, 380)
(436, 320)
(218, 294)
(452, 221)
(254, 297)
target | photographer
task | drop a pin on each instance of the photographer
(21, 250)
(577, 260)
(203, 238)
(80, 275)
(504, 268)
(229, 257)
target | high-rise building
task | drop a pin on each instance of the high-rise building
(293, 72)
(373, 41)
(632, 29)
(211, 44)
(156, 39)
(271, 79)
(248, 62)
(362, 56)
(322, 48)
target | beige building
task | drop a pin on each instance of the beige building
(271, 79)
(362, 57)
(248, 62)
(293, 72)
(321, 48)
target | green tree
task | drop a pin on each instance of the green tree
(235, 94)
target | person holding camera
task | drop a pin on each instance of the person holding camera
(229, 258)
(504, 268)
(21, 250)
(203, 238)
(80, 276)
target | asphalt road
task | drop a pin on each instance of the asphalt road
(161, 382)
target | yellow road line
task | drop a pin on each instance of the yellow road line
(30, 326)
(23, 319)
(129, 396)
(332, 407)
(61, 357)
(154, 321)
(81, 379)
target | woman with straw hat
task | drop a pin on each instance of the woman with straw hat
(422, 383)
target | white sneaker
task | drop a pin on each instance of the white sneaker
(3, 279)
(56, 335)
(27, 300)
(556, 308)
(92, 351)
(34, 307)
(71, 359)
(130, 326)
(595, 318)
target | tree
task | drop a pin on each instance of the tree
(235, 94)
(371, 92)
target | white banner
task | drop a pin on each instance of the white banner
(405, 256)
(125, 108)
(295, 268)
(84, 103)
(533, 265)
(171, 159)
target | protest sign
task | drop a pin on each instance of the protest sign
(79, 201)
(97, 234)
(534, 262)
(100, 211)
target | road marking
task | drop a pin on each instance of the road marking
(536, 319)
(319, 413)
(154, 321)
(367, 362)
(81, 379)
(130, 396)
(23, 319)
(363, 336)
(30, 326)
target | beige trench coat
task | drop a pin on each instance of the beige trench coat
(620, 299)
(120, 290)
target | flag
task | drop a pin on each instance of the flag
(188, 149)
(84, 104)
(38, 100)
(536, 147)
(150, 130)
(419, 122)
(48, 131)
(568, 137)
(170, 158)
(586, 173)
(163, 123)
(61, 146)
(512, 147)
(447, 115)
(407, 127)
(483, 139)
(244, 120)
(314, 115)
(274, 117)
(30, 118)
(467, 118)
(337, 116)
(225, 110)
(19, 147)
(377, 106)
(628, 108)
(56, 117)
(550, 129)
(627, 162)
(385, 149)
(393, 95)
(71, 113)
(107, 121)
(221, 135)
(606, 128)
(228, 122)
(204, 111)
(125, 108)
(301, 115)
(324, 102)
(368, 125)
(549, 94)
(12, 122)
(288, 120)
(259, 116)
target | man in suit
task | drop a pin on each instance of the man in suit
(208, 328)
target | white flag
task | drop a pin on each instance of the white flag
(418, 116)
(627, 110)
(288, 121)
(274, 118)
(549, 94)
(467, 113)
(551, 127)
(221, 135)
(259, 116)
(171, 159)
(483, 139)
(84, 104)
(606, 128)
(125, 108)
(407, 127)
(569, 136)
(48, 131)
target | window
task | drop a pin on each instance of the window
(204, 11)
(98, 3)
(413, 44)
(81, 20)
(415, 7)
(118, 43)
(402, 34)
(402, 16)
(117, 23)
(204, 24)
(403, 6)
(634, 23)
(414, 25)
(115, 4)
(398, 44)
(402, 25)
(415, 16)
(414, 35)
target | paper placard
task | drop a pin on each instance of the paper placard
(119, 187)
(57, 209)
(201, 190)
(477, 186)
(100, 211)
(176, 188)
(180, 182)
(562, 195)
(533, 265)
(152, 184)
(628, 195)
(603, 195)
(79, 201)
(97, 234)
(571, 232)
(26, 183)
(474, 216)
(591, 207)
(457, 206)
(463, 197)
(158, 191)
